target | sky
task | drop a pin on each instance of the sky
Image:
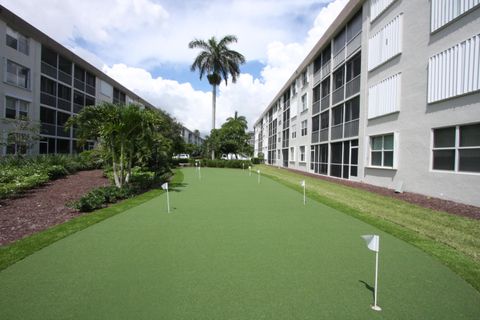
(143, 44)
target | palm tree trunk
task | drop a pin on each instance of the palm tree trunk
(214, 102)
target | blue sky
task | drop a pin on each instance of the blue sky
(144, 45)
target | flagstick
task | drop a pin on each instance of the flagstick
(375, 307)
(168, 202)
(258, 176)
(304, 199)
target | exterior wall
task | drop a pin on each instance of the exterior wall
(410, 118)
(416, 118)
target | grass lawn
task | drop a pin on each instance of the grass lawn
(231, 249)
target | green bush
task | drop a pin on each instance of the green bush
(217, 163)
(176, 162)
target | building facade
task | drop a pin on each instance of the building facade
(47, 83)
(388, 96)
(192, 137)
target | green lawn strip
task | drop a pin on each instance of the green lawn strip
(452, 239)
(22, 248)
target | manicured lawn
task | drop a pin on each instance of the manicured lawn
(231, 249)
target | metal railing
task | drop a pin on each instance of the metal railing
(352, 87)
(64, 104)
(47, 128)
(48, 99)
(351, 128)
(324, 135)
(338, 95)
(79, 84)
(49, 70)
(337, 131)
(325, 102)
(90, 89)
(326, 69)
(317, 77)
(65, 77)
(61, 131)
(354, 44)
(316, 107)
(339, 58)
(315, 136)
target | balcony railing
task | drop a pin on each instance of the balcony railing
(90, 89)
(338, 95)
(337, 131)
(326, 69)
(316, 107)
(65, 77)
(49, 70)
(324, 135)
(48, 99)
(351, 129)
(315, 136)
(325, 102)
(339, 58)
(352, 87)
(64, 104)
(47, 128)
(354, 44)
(77, 108)
(79, 84)
(61, 131)
(317, 77)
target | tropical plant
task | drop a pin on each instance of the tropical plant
(125, 131)
(217, 62)
(22, 136)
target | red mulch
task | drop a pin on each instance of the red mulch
(415, 198)
(41, 208)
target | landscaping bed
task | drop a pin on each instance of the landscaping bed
(43, 207)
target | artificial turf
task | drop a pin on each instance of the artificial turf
(231, 249)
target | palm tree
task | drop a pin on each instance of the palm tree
(217, 61)
(240, 121)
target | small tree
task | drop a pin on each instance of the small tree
(22, 136)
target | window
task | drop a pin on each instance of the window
(338, 78)
(384, 97)
(49, 56)
(385, 44)
(353, 67)
(304, 78)
(352, 109)
(339, 42)
(316, 123)
(292, 153)
(337, 115)
(18, 75)
(79, 73)
(354, 26)
(382, 150)
(457, 148)
(294, 131)
(304, 102)
(304, 128)
(16, 108)
(16, 143)
(324, 120)
(65, 65)
(302, 153)
(17, 41)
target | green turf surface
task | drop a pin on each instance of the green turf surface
(231, 249)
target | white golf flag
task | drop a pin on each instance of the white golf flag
(372, 242)
(303, 183)
(165, 186)
(258, 171)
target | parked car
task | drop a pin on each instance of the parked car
(181, 156)
(234, 156)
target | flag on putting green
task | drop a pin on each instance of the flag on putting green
(372, 242)
(165, 186)
(303, 183)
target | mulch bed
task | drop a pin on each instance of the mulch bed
(415, 198)
(41, 208)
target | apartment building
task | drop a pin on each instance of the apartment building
(47, 83)
(192, 137)
(388, 96)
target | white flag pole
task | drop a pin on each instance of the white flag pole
(168, 202)
(258, 172)
(375, 306)
(304, 198)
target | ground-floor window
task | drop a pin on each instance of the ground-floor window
(302, 153)
(457, 148)
(381, 150)
(319, 158)
(16, 143)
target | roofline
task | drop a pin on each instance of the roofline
(347, 12)
(29, 30)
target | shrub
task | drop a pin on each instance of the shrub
(217, 163)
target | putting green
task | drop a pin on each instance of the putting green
(231, 249)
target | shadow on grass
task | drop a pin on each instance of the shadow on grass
(369, 288)
(177, 186)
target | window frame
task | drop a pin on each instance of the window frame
(17, 106)
(19, 37)
(456, 148)
(304, 129)
(303, 157)
(394, 151)
(17, 66)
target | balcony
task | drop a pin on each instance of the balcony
(337, 131)
(338, 95)
(325, 102)
(317, 77)
(315, 136)
(49, 70)
(354, 44)
(79, 84)
(316, 107)
(326, 69)
(64, 104)
(65, 77)
(90, 89)
(339, 58)
(352, 87)
(324, 135)
(77, 108)
(285, 143)
(47, 128)
(62, 133)
(48, 99)
(351, 129)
